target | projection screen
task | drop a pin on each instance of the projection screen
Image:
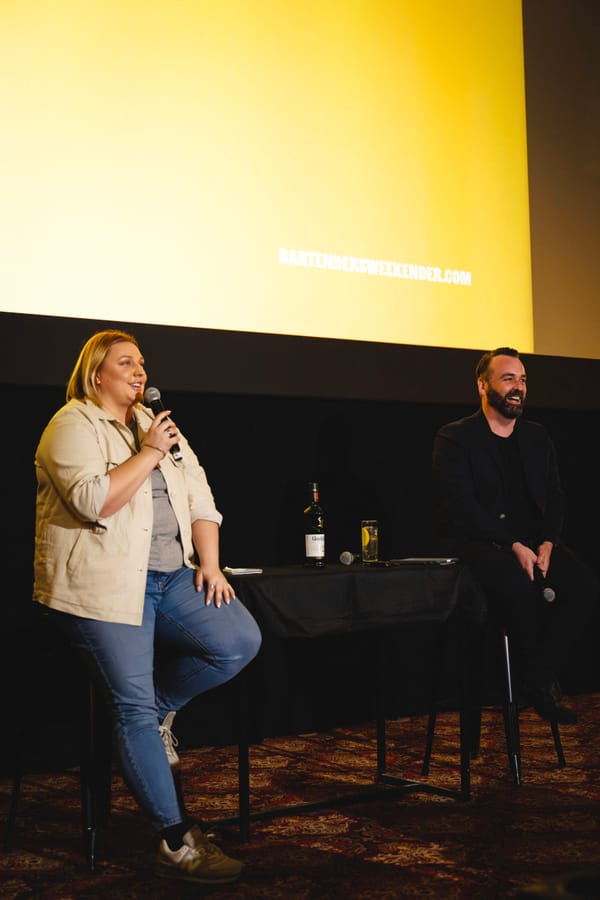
(351, 169)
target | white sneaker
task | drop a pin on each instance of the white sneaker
(196, 860)
(169, 740)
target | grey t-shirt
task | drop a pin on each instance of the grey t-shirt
(166, 553)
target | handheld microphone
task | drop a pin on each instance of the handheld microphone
(548, 593)
(348, 558)
(152, 399)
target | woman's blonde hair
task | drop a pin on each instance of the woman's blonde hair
(82, 383)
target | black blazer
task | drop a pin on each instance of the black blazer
(469, 488)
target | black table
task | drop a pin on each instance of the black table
(305, 603)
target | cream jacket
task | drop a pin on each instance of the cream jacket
(92, 566)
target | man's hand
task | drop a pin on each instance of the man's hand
(543, 557)
(525, 557)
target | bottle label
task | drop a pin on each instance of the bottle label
(314, 546)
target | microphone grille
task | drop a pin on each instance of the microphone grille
(151, 394)
(347, 558)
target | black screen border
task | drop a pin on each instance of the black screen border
(41, 350)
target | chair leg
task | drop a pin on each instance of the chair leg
(95, 775)
(511, 716)
(87, 775)
(511, 722)
(95, 781)
(470, 705)
(510, 712)
(433, 698)
(431, 719)
(558, 745)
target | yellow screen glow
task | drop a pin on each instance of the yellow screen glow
(351, 169)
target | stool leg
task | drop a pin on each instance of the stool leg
(466, 726)
(470, 707)
(511, 716)
(243, 757)
(431, 719)
(88, 795)
(558, 745)
(96, 773)
(433, 699)
(475, 729)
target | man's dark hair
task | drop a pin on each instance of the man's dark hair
(483, 365)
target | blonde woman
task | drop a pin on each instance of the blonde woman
(127, 560)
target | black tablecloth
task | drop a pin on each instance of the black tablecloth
(300, 602)
(325, 630)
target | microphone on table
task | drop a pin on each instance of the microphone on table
(152, 399)
(348, 558)
(548, 593)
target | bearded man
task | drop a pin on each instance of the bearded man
(499, 508)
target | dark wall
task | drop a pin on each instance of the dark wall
(371, 458)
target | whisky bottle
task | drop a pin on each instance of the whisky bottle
(314, 529)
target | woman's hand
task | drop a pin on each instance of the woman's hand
(208, 575)
(216, 586)
(128, 476)
(162, 434)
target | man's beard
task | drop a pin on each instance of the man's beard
(501, 404)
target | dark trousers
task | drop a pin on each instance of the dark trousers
(542, 633)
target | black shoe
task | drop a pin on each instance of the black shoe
(546, 700)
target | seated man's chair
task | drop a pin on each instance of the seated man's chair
(510, 711)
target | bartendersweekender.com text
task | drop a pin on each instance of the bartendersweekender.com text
(310, 259)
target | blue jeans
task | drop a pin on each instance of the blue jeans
(198, 647)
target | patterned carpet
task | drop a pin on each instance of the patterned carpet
(541, 839)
